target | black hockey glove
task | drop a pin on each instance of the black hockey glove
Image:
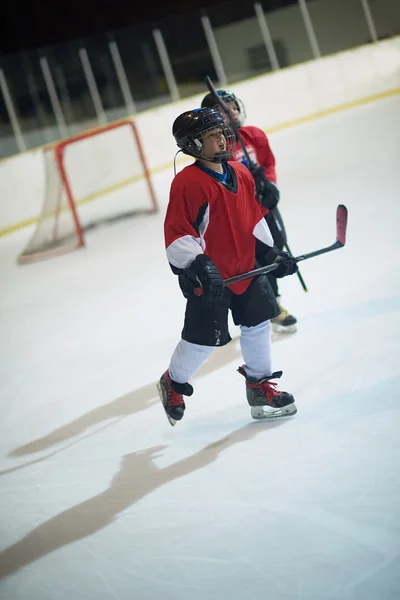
(202, 273)
(266, 191)
(287, 264)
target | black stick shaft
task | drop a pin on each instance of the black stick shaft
(269, 268)
(303, 283)
(235, 128)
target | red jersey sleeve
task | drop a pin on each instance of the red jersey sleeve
(182, 241)
(265, 156)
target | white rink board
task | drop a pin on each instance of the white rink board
(271, 100)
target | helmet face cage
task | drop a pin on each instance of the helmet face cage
(193, 132)
(242, 112)
(226, 96)
(224, 139)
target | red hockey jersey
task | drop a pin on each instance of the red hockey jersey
(258, 148)
(217, 219)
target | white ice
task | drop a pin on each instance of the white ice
(101, 499)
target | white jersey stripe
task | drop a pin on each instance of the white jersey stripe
(182, 252)
(262, 232)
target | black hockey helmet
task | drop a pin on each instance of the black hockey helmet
(189, 128)
(226, 96)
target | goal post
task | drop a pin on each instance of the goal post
(93, 177)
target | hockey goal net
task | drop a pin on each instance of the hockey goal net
(95, 177)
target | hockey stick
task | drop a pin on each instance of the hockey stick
(341, 227)
(277, 219)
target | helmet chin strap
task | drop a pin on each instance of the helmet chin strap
(218, 157)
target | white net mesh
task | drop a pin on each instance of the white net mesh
(56, 230)
(105, 173)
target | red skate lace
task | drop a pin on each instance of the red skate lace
(267, 389)
(174, 399)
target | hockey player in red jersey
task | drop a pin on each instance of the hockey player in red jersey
(264, 173)
(212, 226)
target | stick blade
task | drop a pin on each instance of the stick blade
(341, 224)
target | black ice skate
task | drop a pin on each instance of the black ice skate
(285, 322)
(265, 400)
(171, 396)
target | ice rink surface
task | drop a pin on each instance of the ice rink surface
(101, 499)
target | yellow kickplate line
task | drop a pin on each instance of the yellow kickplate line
(333, 110)
(268, 130)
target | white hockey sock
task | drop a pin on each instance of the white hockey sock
(186, 359)
(255, 343)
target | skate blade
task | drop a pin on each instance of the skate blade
(276, 328)
(264, 413)
(172, 421)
